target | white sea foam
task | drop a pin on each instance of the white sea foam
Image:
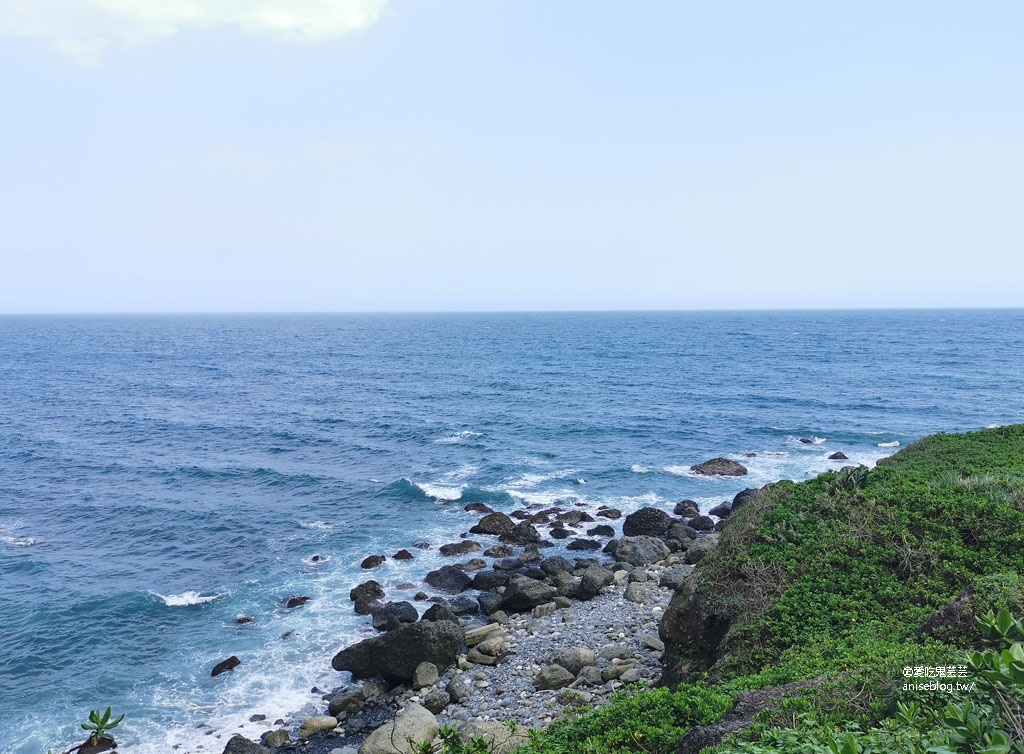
(19, 541)
(893, 444)
(185, 599)
(818, 440)
(638, 469)
(440, 492)
(319, 560)
(457, 438)
(319, 525)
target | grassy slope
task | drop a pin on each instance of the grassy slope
(831, 578)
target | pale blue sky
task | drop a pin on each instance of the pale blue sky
(339, 155)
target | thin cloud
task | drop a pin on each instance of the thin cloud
(84, 29)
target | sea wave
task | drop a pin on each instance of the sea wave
(186, 599)
(457, 438)
(19, 541)
(893, 444)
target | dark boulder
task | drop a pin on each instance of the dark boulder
(473, 564)
(372, 561)
(560, 533)
(464, 547)
(524, 593)
(601, 530)
(463, 605)
(702, 523)
(400, 612)
(649, 522)
(499, 551)
(485, 581)
(593, 581)
(686, 509)
(439, 611)
(610, 513)
(477, 508)
(508, 564)
(681, 532)
(838, 456)
(367, 605)
(556, 565)
(522, 533)
(395, 655)
(402, 555)
(745, 496)
(722, 510)
(489, 602)
(639, 551)
(493, 523)
(584, 544)
(572, 518)
(239, 744)
(295, 601)
(719, 467)
(225, 665)
(370, 590)
(806, 441)
(449, 579)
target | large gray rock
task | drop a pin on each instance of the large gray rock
(404, 734)
(315, 725)
(485, 581)
(371, 590)
(573, 660)
(556, 565)
(342, 703)
(437, 700)
(500, 739)
(493, 523)
(641, 550)
(701, 547)
(458, 689)
(647, 521)
(674, 576)
(239, 744)
(525, 594)
(424, 675)
(719, 467)
(553, 677)
(396, 655)
(593, 581)
(449, 579)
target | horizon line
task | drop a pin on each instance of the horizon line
(322, 312)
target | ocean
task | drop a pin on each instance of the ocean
(163, 476)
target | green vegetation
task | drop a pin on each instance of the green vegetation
(853, 579)
(638, 720)
(100, 724)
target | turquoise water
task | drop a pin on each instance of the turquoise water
(161, 476)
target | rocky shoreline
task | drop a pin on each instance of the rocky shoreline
(543, 633)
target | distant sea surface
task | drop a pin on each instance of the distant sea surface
(162, 476)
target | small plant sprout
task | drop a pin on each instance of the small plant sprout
(100, 723)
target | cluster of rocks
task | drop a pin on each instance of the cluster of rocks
(539, 632)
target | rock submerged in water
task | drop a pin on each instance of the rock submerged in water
(396, 654)
(838, 456)
(295, 601)
(372, 561)
(371, 590)
(719, 467)
(225, 665)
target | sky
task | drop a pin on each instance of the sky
(447, 155)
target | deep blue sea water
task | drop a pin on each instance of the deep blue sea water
(161, 476)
